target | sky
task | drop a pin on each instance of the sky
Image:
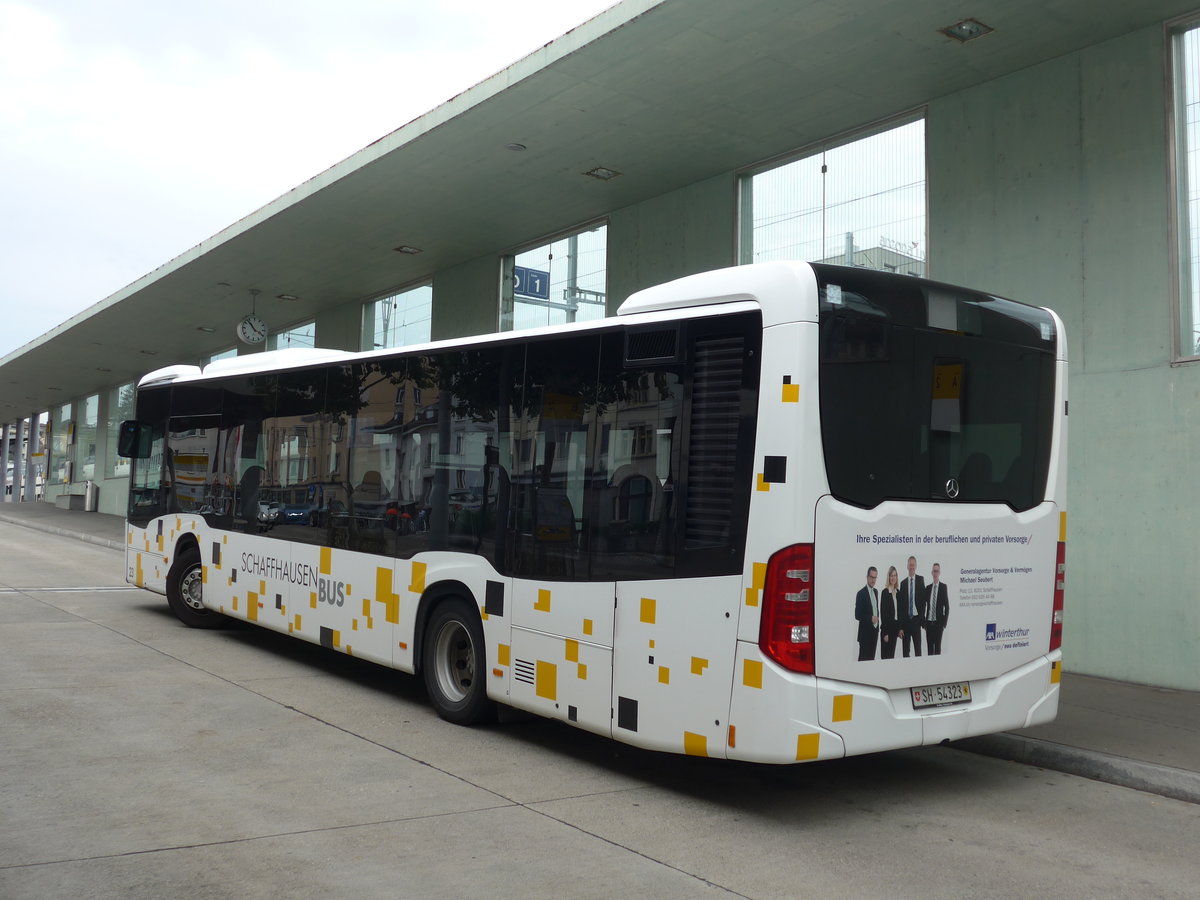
(132, 130)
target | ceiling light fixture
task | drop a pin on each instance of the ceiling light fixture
(288, 297)
(602, 173)
(411, 251)
(205, 329)
(966, 30)
(515, 147)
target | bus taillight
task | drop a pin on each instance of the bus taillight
(786, 632)
(1060, 576)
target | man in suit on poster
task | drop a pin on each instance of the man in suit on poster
(912, 596)
(937, 611)
(866, 610)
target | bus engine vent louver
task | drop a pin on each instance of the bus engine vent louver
(712, 449)
(650, 347)
(523, 670)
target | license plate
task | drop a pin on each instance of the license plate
(951, 694)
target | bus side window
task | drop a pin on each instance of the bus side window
(635, 473)
(558, 406)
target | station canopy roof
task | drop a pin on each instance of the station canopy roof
(665, 93)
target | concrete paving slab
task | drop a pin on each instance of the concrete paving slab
(80, 656)
(523, 762)
(497, 853)
(815, 831)
(31, 558)
(133, 767)
(20, 607)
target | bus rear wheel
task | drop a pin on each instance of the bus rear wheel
(454, 663)
(185, 589)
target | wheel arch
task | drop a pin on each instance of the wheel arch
(187, 541)
(432, 596)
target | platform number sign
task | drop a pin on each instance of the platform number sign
(531, 283)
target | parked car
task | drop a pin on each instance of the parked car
(268, 514)
(297, 514)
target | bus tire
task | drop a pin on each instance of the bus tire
(184, 585)
(454, 663)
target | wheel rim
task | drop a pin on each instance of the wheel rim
(191, 589)
(454, 661)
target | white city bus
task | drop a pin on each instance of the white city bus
(663, 527)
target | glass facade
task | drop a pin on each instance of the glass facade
(85, 439)
(298, 336)
(224, 354)
(120, 407)
(399, 320)
(59, 469)
(562, 281)
(1187, 174)
(860, 202)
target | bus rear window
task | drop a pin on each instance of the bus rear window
(933, 393)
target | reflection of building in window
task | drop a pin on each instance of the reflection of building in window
(633, 500)
(555, 458)
(643, 440)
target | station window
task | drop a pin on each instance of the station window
(298, 336)
(858, 201)
(1186, 59)
(398, 320)
(224, 354)
(562, 281)
(85, 441)
(60, 444)
(120, 408)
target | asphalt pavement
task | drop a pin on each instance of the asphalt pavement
(1136, 736)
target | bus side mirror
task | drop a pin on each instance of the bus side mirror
(134, 440)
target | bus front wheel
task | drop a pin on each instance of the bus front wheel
(184, 590)
(454, 664)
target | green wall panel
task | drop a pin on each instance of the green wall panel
(680, 233)
(1050, 186)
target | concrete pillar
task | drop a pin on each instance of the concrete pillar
(18, 467)
(32, 439)
(4, 429)
(341, 328)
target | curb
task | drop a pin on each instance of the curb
(1167, 781)
(64, 532)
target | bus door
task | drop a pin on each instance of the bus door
(679, 465)
(562, 620)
